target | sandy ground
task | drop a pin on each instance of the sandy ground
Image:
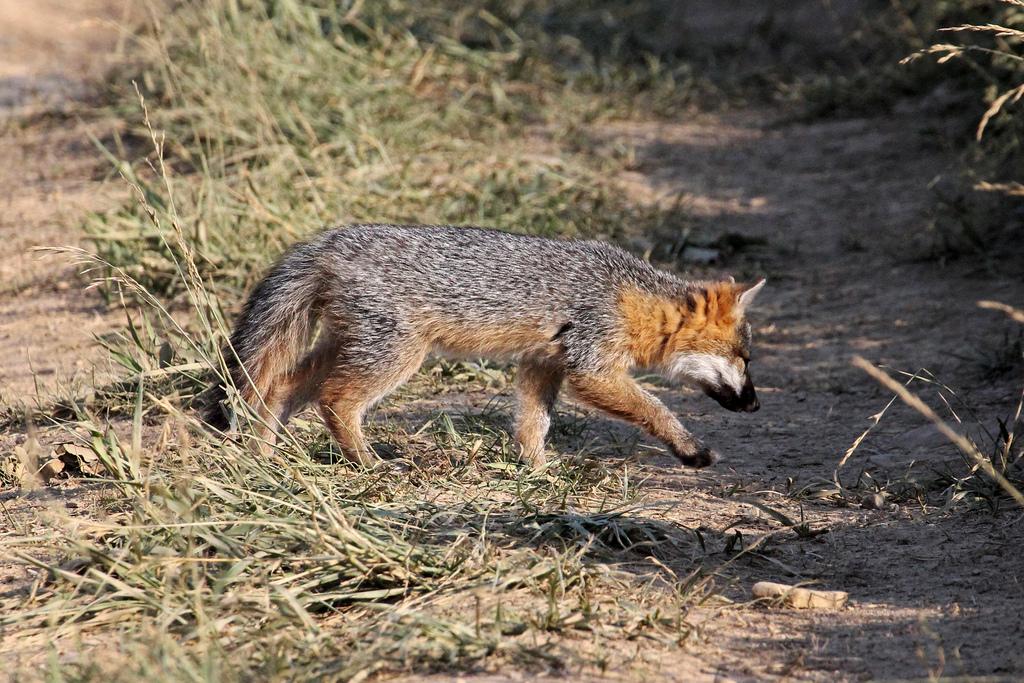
(841, 205)
(50, 176)
(842, 202)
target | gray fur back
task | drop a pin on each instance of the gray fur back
(474, 277)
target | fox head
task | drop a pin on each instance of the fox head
(703, 340)
(713, 349)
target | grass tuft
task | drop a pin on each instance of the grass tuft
(284, 118)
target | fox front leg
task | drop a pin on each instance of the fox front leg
(620, 396)
(537, 386)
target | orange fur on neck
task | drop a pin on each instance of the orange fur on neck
(657, 327)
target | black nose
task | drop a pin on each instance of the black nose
(748, 397)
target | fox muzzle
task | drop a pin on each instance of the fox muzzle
(745, 401)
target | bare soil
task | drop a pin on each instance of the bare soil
(842, 206)
(843, 202)
(50, 176)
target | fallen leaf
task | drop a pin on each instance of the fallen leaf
(50, 469)
(78, 459)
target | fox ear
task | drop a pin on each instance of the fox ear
(747, 297)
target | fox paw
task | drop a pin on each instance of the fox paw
(702, 458)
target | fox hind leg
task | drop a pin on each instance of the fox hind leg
(344, 420)
(537, 386)
(352, 386)
(292, 392)
(303, 385)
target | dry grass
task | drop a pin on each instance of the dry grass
(283, 119)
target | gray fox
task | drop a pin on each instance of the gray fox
(583, 313)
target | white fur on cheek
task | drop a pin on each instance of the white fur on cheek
(706, 369)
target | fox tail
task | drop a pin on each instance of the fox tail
(274, 328)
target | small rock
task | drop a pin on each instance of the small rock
(873, 501)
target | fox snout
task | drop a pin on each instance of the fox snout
(721, 378)
(745, 401)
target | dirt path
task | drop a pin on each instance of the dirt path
(49, 178)
(840, 204)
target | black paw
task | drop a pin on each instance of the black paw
(702, 458)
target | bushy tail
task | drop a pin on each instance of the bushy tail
(271, 333)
